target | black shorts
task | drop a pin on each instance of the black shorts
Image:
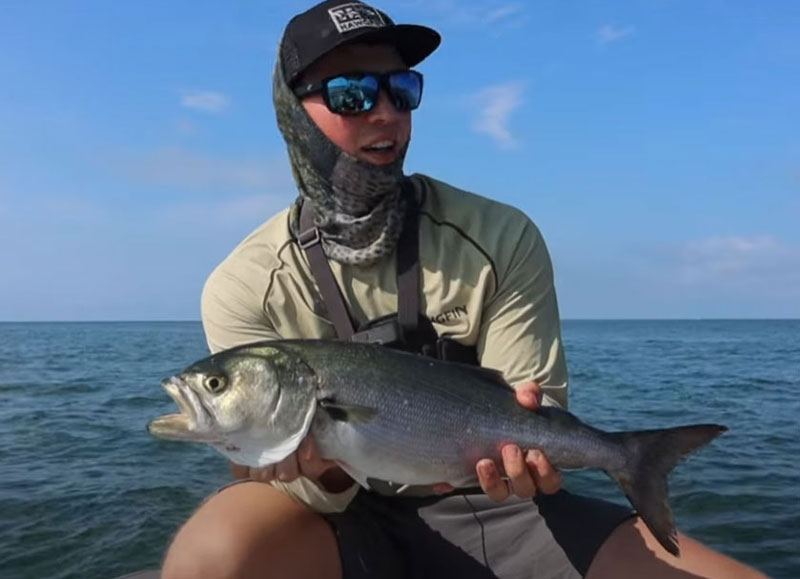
(469, 536)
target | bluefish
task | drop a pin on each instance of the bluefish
(404, 418)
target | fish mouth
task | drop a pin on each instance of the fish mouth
(195, 421)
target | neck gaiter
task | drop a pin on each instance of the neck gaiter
(357, 207)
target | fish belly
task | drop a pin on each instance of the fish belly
(401, 453)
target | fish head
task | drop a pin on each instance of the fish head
(252, 404)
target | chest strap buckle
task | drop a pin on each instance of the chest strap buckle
(309, 238)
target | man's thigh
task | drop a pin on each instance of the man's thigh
(472, 537)
(254, 530)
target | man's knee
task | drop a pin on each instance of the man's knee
(207, 548)
(252, 530)
(199, 552)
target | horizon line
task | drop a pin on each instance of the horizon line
(575, 319)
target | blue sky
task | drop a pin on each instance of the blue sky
(654, 143)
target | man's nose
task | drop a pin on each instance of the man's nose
(384, 111)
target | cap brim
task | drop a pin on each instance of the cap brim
(414, 43)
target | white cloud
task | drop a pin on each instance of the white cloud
(245, 211)
(495, 104)
(461, 13)
(725, 276)
(178, 167)
(63, 207)
(736, 263)
(503, 12)
(608, 33)
(206, 101)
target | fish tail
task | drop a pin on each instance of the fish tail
(652, 454)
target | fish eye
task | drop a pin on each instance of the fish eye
(215, 384)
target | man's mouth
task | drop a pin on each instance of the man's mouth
(385, 146)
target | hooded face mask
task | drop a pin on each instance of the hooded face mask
(357, 207)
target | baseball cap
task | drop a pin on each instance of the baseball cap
(312, 34)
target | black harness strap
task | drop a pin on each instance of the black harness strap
(408, 329)
(309, 240)
(408, 286)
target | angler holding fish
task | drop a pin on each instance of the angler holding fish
(360, 461)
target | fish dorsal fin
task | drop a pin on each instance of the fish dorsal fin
(487, 374)
(492, 375)
(352, 413)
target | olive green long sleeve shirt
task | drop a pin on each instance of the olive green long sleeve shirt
(486, 281)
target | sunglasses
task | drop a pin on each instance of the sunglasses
(357, 92)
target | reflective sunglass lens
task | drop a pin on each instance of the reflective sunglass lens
(405, 89)
(352, 95)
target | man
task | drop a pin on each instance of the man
(480, 289)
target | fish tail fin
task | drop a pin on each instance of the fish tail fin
(652, 455)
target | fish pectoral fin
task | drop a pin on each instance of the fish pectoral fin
(352, 413)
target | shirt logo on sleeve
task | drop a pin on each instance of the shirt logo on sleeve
(449, 315)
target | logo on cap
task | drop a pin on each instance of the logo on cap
(353, 16)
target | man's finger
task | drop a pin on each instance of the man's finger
(307, 458)
(263, 474)
(240, 471)
(307, 450)
(442, 488)
(311, 464)
(547, 478)
(287, 469)
(491, 483)
(522, 483)
(529, 395)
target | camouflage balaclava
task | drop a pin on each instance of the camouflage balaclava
(357, 207)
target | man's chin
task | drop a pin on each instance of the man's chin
(379, 159)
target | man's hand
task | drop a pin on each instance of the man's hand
(305, 461)
(527, 472)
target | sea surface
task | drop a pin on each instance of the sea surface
(86, 493)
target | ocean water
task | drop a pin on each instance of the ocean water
(86, 492)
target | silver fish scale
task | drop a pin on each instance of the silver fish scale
(416, 424)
